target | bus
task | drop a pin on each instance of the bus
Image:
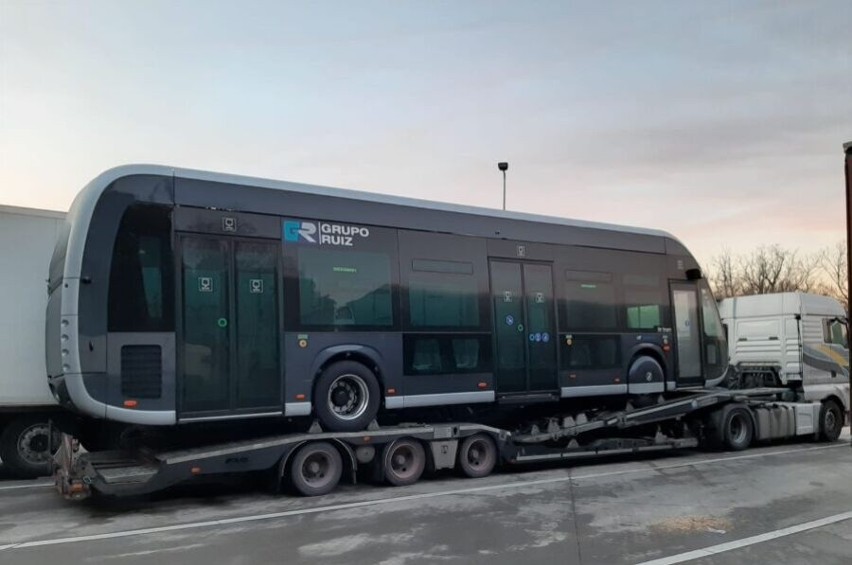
(179, 296)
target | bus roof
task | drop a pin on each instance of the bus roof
(145, 169)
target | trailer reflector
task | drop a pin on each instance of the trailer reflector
(300, 397)
(195, 470)
(131, 403)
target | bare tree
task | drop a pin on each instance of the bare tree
(765, 270)
(832, 263)
(775, 269)
(724, 276)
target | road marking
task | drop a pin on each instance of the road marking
(392, 500)
(31, 485)
(745, 542)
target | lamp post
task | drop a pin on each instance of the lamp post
(503, 167)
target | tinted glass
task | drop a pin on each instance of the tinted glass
(448, 301)
(590, 352)
(588, 305)
(538, 286)
(258, 380)
(206, 340)
(508, 300)
(141, 287)
(687, 332)
(644, 308)
(446, 354)
(344, 288)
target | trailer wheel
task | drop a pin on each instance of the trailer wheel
(347, 397)
(25, 446)
(477, 456)
(735, 428)
(830, 420)
(316, 469)
(404, 462)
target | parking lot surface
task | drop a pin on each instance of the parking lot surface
(787, 503)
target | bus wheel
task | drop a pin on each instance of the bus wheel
(735, 428)
(404, 462)
(316, 469)
(830, 420)
(477, 456)
(347, 397)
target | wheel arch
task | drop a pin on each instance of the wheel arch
(363, 354)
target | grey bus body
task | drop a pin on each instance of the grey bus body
(181, 296)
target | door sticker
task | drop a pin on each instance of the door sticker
(510, 320)
(545, 337)
(539, 298)
(507, 296)
(205, 284)
(229, 224)
(256, 286)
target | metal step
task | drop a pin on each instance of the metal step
(128, 475)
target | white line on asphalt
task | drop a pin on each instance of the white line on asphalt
(383, 501)
(745, 542)
(31, 485)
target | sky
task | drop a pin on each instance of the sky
(720, 122)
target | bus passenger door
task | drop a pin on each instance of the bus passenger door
(524, 327)
(228, 338)
(687, 334)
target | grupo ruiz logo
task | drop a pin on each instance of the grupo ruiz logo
(323, 233)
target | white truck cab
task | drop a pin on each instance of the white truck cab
(790, 339)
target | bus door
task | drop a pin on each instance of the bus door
(687, 334)
(524, 327)
(228, 333)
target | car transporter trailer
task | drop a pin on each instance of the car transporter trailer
(313, 463)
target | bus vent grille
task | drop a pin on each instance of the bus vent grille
(141, 371)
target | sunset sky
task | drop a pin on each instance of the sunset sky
(721, 122)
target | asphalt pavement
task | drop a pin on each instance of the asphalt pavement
(784, 503)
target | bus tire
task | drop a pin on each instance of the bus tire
(830, 420)
(403, 462)
(346, 397)
(25, 446)
(316, 469)
(734, 428)
(477, 456)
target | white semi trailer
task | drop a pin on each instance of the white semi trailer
(791, 339)
(27, 239)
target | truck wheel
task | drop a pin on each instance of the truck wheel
(830, 421)
(346, 398)
(316, 469)
(477, 456)
(736, 428)
(25, 446)
(404, 462)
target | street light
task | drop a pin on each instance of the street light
(503, 167)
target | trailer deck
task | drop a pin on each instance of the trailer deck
(315, 461)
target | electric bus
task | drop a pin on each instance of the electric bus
(179, 296)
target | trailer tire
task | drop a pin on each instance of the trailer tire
(316, 469)
(830, 420)
(477, 456)
(346, 397)
(25, 446)
(734, 428)
(403, 462)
